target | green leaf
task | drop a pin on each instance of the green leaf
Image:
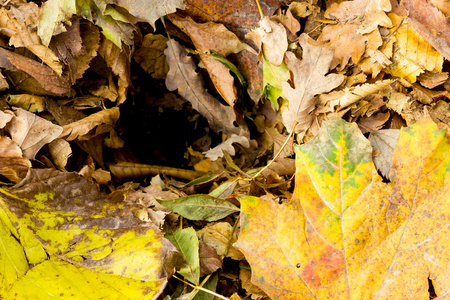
(273, 77)
(201, 207)
(186, 241)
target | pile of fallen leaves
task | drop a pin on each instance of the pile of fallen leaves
(147, 149)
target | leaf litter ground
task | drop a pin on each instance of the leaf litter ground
(193, 109)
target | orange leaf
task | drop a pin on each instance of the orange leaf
(347, 235)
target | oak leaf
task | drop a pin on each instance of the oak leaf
(347, 235)
(309, 80)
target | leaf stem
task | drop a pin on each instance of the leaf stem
(201, 288)
(279, 151)
(260, 10)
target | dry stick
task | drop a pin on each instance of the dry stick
(201, 288)
(279, 151)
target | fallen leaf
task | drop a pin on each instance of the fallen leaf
(100, 235)
(367, 14)
(273, 77)
(183, 77)
(221, 237)
(209, 260)
(351, 236)
(68, 46)
(31, 132)
(213, 36)
(124, 170)
(47, 78)
(187, 243)
(32, 103)
(432, 79)
(18, 24)
(153, 10)
(116, 27)
(12, 164)
(56, 277)
(151, 55)
(309, 80)
(383, 142)
(348, 96)
(412, 54)
(271, 37)
(52, 16)
(104, 120)
(59, 151)
(118, 59)
(430, 23)
(200, 207)
(217, 152)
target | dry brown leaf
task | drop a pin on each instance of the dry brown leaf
(218, 236)
(90, 35)
(288, 20)
(65, 115)
(103, 121)
(183, 77)
(151, 55)
(383, 142)
(374, 122)
(59, 151)
(271, 37)
(431, 80)
(67, 46)
(255, 292)
(353, 94)
(309, 80)
(46, 77)
(367, 13)
(424, 95)
(18, 24)
(5, 118)
(31, 132)
(3, 83)
(213, 36)
(357, 28)
(209, 260)
(216, 152)
(398, 102)
(119, 62)
(12, 164)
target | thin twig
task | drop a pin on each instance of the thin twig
(279, 151)
(201, 288)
